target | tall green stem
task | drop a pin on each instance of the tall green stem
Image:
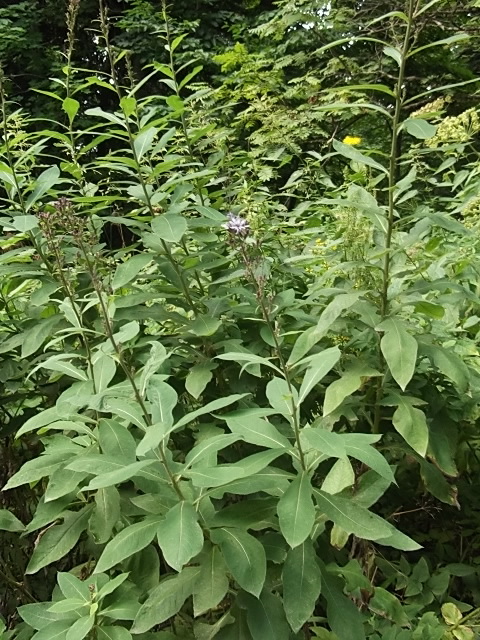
(392, 179)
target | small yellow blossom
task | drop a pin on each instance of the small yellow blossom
(352, 140)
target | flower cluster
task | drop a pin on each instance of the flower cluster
(454, 129)
(237, 225)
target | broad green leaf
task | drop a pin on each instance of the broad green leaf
(282, 397)
(350, 382)
(130, 540)
(197, 379)
(169, 227)
(37, 468)
(111, 586)
(265, 616)
(62, 482)
(56, 630)
(258, 431)
(165, 600)
(128, 105)
(246, 513)
(450, 364)
(38, 616)
(411, 424)
(68, 605)
(301, 579)
(25, 223)
(73, 587)
(118, 476)
(296, 511)
(80, 628)
(351, 153)
(163, 399)
(248, 358)
(399, 349)
(320, 365)
(245, 557)
(9, 522)
(328, 443)
(71, 107)
(127, 271)
(387, 605)
(104, 369)
(116, 441)
(57, 363)
(212, 584)
(108, 632)
(204, 325)
(360, 447)
(351, 517)
(419, 128)
(105, 515)
(43, 183)
(393, 53)
(180, 536)
(208, 446)
(340, 476)
(143, 142)
(35, 336)
(57, 541)
(126, 410)
(343, 616)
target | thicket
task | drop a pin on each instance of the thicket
(239, 309)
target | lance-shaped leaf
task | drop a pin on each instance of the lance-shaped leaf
(301, 579)
(179, 535)
(296, 511)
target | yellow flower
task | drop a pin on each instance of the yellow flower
(352, 140)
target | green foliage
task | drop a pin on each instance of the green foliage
(229, 371)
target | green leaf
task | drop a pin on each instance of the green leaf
(180, 536)
(115, 440)
(457, 37)
(351, 517)
(419, 128)
(38, 616)
(169, 227)
(296, 511)
(411, 424)
(348, 151)
(393, 53)
(340, 476)
(81, 628)
(212, 584)
(9, 522)
(350, 381)
(311, 336)
(204, 448)
(320, 365)
(105, 515)
(143, 142)
(72, 587)
(54, 631)
(245, 557)
(71, 107)
(197, 379)
(301, 579)
(343, 616)
(328, 443)
(57, 541)
(204, 325)
(127, 271)
(43, 183)
(108, 632)
(165, 600)
(386, 605)
(210, 407)
(68, 605)
(25, 223)
(130, 540)
(257, 431)
(399, 349)
(359, 446)
(128, 105)
(450, 364)
(37, 468)
(118, 476)
(265, 617)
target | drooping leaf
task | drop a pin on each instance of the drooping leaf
(165, 600)
(245, 557)
(212, 584)
(399, 349)
(180, 536)
(296, 511)
(301, 579)
(59, 539)
(130, 540)
(169, 227)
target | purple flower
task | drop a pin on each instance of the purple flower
(237, 225)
